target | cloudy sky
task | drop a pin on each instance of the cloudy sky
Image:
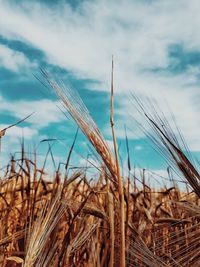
(156, 48)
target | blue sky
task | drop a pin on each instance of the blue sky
(156, 47)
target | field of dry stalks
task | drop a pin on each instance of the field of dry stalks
(76, 223)
(109, 221)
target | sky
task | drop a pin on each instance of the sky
(156, 48)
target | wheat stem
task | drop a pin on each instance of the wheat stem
(120, 182)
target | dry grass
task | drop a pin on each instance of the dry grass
(46, 224)
(110, 222)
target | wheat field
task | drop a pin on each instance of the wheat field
(69, 220)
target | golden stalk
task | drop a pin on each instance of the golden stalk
(120, 182)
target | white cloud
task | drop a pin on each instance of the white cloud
(13, 60)
(138, 33)
(46, 111)
(181, 103)
(19, 132)
(84, 40)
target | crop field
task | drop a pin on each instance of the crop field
(99, 133)
(70, 220)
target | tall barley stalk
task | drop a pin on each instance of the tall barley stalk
(79, 112)
(120, 182)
